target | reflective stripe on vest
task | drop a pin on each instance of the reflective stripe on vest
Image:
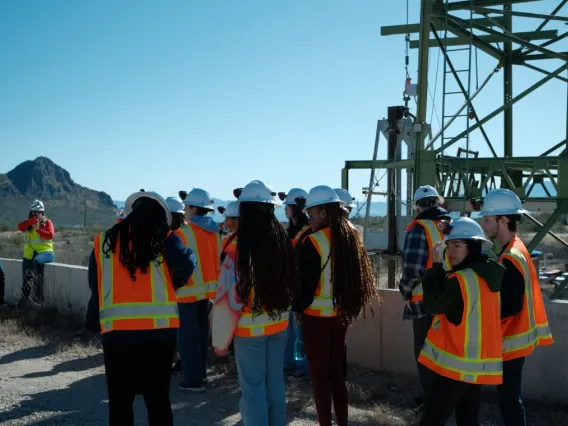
(260, 325)
(196, 288)
(471, 351)
(33, 243)
(161, 310)
(433, 235)
(529, 328)
(322, 306)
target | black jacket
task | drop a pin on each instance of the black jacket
(442, 295)
(512, 289)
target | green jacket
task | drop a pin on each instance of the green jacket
(442, 295)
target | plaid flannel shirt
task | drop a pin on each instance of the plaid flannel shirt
(414, 260)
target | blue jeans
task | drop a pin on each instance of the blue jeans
(193, 340)
(510, 395)
(32, 273)
(259, 363)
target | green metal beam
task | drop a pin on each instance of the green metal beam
(539, 57)
(504, 107)
(540, 70)
(485, 10)
(423, 174)
(554, 148)
(507, 35)
(461, 41)
(547, 225)
(439, 24)
(467, 5)
(477, 42)
(552, 234)
(379, 164)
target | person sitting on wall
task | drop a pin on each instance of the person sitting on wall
(38, 250)
(2, 283)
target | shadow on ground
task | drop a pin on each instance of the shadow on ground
(77, 364)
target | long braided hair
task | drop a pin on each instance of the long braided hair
(297, 221)
(266, 261)
(142, 236)
(351, 269)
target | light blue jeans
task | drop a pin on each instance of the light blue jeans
(259, 363)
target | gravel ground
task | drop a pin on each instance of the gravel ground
(47, 379)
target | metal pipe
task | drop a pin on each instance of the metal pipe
(371, 182)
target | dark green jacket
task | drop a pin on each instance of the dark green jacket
(442, 295)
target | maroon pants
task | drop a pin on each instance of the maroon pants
(324, 343)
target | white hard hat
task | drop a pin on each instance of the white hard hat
(232, 209)
(465, 228)
(120, 214)
(131, 200)
(175, 205)
(426, 191)
(346, 197)
(293, 194)
(320, 195)
(37, 206)
(199, 198)
(501, 202)
(259, 192)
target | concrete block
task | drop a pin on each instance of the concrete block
(366, 333)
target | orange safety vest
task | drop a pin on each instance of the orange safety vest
(434, 230)
(299, 235)
(203, 282)
(529, 328)
(226, 239)
(259, 325)
(145, 304)
(322, 306)
(471, 351)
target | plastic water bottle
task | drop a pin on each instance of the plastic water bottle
(299, 354)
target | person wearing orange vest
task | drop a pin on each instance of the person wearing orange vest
(337, 283)
(298, 227)
(523, 317)
(427, 228)
(38, 250)
(257, 280)
(134, 270)
(231, 213)
(463, 345)
(201, 234)
(177, 210)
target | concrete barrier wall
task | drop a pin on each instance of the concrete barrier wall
(385, 343)
(65, 286)
(381, 342)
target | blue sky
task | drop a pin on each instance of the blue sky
(167, 95)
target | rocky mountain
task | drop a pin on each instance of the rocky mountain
(65, 201)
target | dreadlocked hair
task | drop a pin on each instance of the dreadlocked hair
(266, 269)
(142, 235)
(297, 221)
(352, 274)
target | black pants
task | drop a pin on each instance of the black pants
(449, 395)
(2, 284)
(510, 395)
(139, 369)
(420, 327)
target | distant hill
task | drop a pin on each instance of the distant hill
(64, 199)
